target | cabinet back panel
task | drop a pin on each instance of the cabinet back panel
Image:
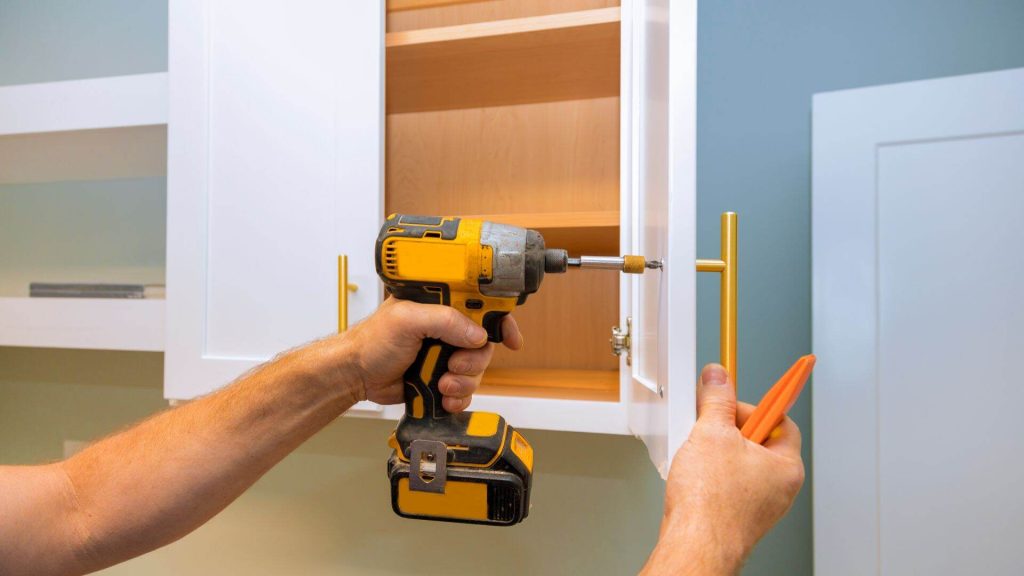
(483, 11)
(544, 157)
(567, 323)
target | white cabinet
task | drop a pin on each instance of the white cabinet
(293, 127)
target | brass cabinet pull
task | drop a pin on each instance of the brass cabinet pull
(727, 267)
(344, 287)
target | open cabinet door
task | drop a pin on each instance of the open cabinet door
(275, 169)
(659, 222)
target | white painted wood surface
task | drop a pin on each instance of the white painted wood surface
(275, 168)
(114, 102)
(917, 208)
(660, 219)
(97, 324)
(94, 129)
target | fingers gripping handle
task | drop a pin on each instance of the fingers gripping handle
(422, 395)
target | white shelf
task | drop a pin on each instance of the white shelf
(116, 102)
(97, 324)
(94, 129)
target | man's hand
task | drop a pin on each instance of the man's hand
(724, 492)
(386, 343)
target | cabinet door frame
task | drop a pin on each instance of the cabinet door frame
(659, 168)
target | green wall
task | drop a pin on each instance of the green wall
(326, 508)
(759, 62)
(597, 500)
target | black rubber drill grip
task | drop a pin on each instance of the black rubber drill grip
(422, 378)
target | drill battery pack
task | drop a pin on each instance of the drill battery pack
(474, 469)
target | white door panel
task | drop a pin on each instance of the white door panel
(274, 169)
(661, 176)
(918, 204)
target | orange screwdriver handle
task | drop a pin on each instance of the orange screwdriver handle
(777, 401)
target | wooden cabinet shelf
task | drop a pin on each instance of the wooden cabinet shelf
(594, 233)
(562, 56)
(593, 385)
(502, 34)
(543, 220)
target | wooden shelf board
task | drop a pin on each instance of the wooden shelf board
(396, 5)
(542, 220)
(502, 30)
(564, 56)
(97, 324)
(594, 233)
(596, 385)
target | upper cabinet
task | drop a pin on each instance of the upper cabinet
(294, 128)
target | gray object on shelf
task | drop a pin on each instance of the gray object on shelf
(79, 290)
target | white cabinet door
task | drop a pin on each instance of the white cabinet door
(918, 276)
(275, 168)
(658, 222)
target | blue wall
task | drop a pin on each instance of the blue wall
(759, 63)
(72, 39)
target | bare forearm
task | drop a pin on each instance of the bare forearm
(152, 484)
(688, 548)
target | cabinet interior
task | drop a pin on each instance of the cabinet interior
(508, 110)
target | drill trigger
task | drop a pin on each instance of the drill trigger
(492, 324)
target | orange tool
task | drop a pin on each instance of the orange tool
(773, 407)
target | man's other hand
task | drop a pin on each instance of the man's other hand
(724, 492)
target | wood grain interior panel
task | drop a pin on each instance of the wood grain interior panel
(452, 13)
(545, 58)
(567, 323)
(594, 385)
(545, 157)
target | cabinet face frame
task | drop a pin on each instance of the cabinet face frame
(660, 420)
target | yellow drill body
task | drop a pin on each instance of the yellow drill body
(472, 466)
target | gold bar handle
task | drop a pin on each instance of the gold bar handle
(344, 287)
(727, 267)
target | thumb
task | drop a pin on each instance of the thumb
(448, 324)
(716, 396)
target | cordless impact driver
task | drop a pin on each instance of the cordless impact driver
(473, 466)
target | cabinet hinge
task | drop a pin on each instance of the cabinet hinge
(621, 341)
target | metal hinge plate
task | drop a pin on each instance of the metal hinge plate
(621, 341)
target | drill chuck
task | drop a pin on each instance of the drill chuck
(556, 261)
